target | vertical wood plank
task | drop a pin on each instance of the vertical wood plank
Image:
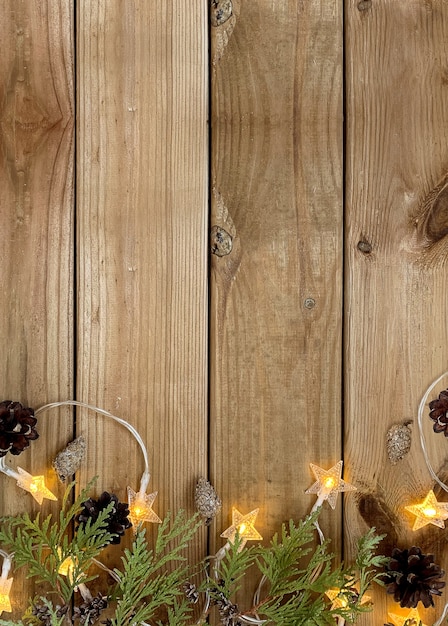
(36, 224)
(396, 305)
(142, 271)
(276, 257)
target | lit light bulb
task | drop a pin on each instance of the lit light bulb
(5, 588)
(140, 508)
(340, 598)
(67, 567)
(412, 618)
(328, 484)
(244, 526)
(35, 485)
(429, 512)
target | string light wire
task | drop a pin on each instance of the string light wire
(421, 408)
(119, 420)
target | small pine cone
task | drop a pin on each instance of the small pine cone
(117, 522)
(88, 612)
(412, 577)
(16, 427)
(439, 413)
(191, 592)
(42, 612)
(228, 612)
(206, 500)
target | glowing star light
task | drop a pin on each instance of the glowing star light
(410, 619)
(341, 598)
(35, 485)
(5, 588)
(328, 484)
(244, 526)
(5, 584)
(429, 512)
(140, 508)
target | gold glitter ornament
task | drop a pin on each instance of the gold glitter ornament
(206, 500)
(398, 441)
(68, 460)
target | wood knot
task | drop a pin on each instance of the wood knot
(365, 247)
(220, 12)
(430, 223)
(221, 241)
(364, 5)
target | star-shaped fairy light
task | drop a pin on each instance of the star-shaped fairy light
(5, 588)
(35, 485)
(340, 598)
(410, 619)
(140, 508)
(328, 484)
(429, 512)
(244, 526)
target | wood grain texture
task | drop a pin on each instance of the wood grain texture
(142, 271)
(36, 223)
(276, 258)
(396, 261)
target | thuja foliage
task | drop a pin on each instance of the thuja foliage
(156, 586)
(295, 578)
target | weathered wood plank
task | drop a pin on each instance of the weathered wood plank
(142, 215)
(276, 294)
(36, 223)
(396, 270)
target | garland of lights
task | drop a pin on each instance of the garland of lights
(328, 484)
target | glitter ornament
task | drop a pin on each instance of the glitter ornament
(206, 500)
(398, 442)
(68, 460)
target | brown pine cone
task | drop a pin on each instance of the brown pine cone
(16, 427)
(412, 577)
(439, 413)
(90, 610)
(117, 521)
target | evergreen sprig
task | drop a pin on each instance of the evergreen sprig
(42, 545)
(146, 585)
(294, 572)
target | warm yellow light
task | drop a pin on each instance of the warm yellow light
(35, 485)
(412, 618)
(5, 588)
(429, 512)
(140, 508)
(67, 567)
(244, 526)
(328, 484)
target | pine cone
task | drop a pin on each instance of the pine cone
(117, 522)
(228, 612)
(42, 612)
(439, 413)
(90, 611)
(16, 427)
(191, 592)
(412, 577)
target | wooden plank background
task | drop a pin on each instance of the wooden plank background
(396, 273)
(323, 319)
(276, 297)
